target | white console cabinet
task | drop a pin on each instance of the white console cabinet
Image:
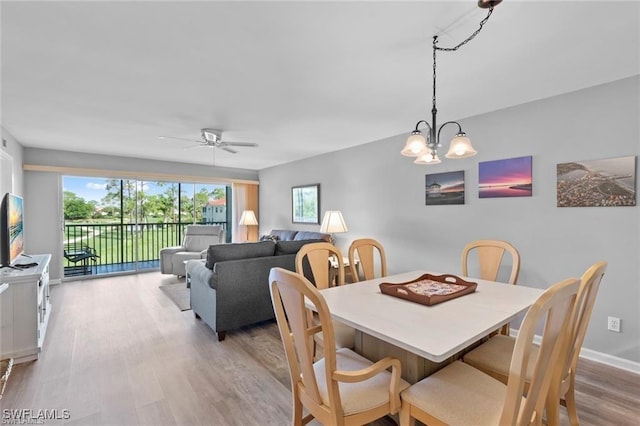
(24, 309)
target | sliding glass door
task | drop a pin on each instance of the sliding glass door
(120, 225)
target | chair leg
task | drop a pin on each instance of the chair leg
(296, 420)
(552, 408)
(221, 335)
(570, 400)
(405, 415)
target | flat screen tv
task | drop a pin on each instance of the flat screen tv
(11, 229)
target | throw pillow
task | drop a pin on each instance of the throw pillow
(269, 238)
(309, 235)
(283, 234)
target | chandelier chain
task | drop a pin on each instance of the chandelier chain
(468, 39)
(451, 49)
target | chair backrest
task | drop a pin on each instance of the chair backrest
(589, 285)
(314, 259)
(200, 237)
(297, 328)
(490, 254)
(555, 308)
(364, 248)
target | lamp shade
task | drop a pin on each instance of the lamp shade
(248, 218)
(416, 143)
(333, 222)
(460, 147)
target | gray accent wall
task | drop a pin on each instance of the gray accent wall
(382, 195)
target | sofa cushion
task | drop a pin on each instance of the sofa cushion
(283, 234)
(292, 247)
(236, 251)
(305, 235)
(269, 237)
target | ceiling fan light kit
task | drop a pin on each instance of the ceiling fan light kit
(425, 149)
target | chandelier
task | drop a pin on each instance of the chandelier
(426, 149)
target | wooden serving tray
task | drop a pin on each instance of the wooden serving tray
(430, 289)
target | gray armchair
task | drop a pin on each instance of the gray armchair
(197, 239)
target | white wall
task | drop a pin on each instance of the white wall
(14, 150)
(381, 195)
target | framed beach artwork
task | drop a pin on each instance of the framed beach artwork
(597, 183)
(444, 188)
(305, 203)
(505, 178)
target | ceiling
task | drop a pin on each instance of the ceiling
(299, 78)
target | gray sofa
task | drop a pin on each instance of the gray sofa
(231, 289)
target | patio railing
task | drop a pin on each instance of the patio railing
(121, 244)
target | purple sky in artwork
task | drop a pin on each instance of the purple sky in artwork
(505, 172)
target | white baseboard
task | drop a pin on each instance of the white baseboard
(610, 360)
(595, 356)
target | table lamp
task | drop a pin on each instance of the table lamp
(333, 222)
(247, 219)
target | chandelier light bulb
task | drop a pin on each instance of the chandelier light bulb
(428, 157)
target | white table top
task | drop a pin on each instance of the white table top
(432, 332)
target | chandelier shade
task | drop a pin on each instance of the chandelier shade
(416, 144)
(460, 147)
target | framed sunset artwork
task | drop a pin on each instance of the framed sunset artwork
(505, 178)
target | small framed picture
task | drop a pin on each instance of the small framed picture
(305, 203)
(444, 188)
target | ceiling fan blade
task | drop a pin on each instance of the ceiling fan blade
(180, 139)
(249, 144)
(201, 145)
(228, 149)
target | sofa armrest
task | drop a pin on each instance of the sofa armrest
(166, 266)
(171, 250)
(197, 271)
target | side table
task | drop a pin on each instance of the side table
(333, 271)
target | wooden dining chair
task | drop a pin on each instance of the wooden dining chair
(364, 249)
(461, 394)
(494, 356)
(342, 388)
(313, 261)
(490, 254)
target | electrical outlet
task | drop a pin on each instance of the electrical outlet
(613, 324)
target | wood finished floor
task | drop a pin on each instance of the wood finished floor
(119, 352)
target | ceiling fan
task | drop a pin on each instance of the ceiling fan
(212, 138)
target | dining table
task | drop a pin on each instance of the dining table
(424, 338)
